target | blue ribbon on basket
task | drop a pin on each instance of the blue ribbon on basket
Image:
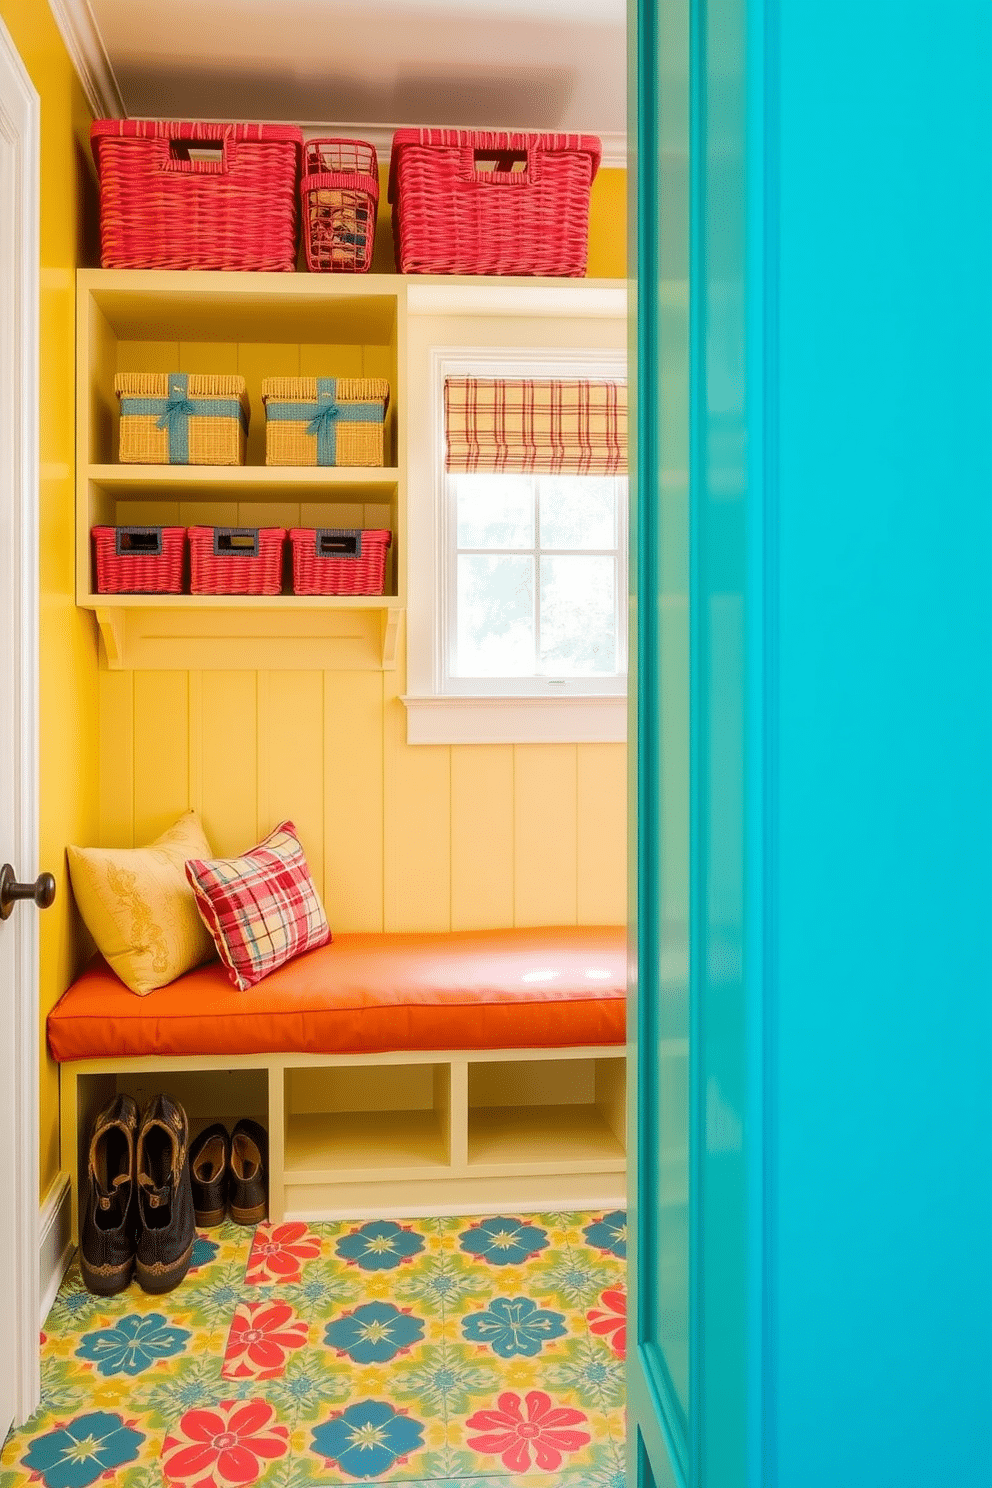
(174, 413)
(323, 416)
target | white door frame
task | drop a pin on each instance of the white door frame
(20, 177)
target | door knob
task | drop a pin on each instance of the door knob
(42, 891)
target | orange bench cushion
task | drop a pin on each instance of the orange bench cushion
(543, 988)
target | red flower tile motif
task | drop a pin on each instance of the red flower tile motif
(278, 1253)
(225, 1446)
(611, 1324)
(262, 1337)
(546, 1430)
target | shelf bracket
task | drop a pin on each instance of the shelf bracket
(390, 638)
(111, 623)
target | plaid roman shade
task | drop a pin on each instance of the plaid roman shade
(541, 426)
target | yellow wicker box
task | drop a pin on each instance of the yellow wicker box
(325, 420)
(180, 418)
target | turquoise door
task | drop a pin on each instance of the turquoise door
(811, 731)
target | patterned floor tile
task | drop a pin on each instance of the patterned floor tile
(457, 1353)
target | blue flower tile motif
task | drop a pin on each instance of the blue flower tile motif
(78, 1453)
(379, 1245)
(374, 1333)
(514, 1325)
(204, 1251)
(367, 1439)
(133, 1344)
(609, 1234)
(503, 1242)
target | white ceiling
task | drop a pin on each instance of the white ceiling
(525, 64)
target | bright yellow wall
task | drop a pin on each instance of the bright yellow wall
(67, 642)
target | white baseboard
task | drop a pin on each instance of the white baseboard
(55, 1241)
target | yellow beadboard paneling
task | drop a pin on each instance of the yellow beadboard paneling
(353, 800)
(161, 752)
(545, 834)
(219, 358)
(318, 360)
(291, 759)
(117, 763)
(601, 834)
(208, 514)
(148, 356)
(398, 837)
(324, 514)
(417, 815)
(258, 360)
(481, 836)
(269, 514)
(148, 514)
(224, 736)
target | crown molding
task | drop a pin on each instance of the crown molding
(614, 155)
(88, 54)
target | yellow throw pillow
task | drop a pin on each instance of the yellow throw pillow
(139, 908)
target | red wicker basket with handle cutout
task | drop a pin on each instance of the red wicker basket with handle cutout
(139, 560)
(340, 195)
(236, 560)
(177, 195)
(489, 202)
(339, 560)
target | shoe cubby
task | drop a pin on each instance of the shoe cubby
(546, 1115)
(397, 1135)
(377, 1120)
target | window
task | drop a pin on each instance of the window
(517, 567)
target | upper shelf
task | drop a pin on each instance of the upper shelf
(245, 482)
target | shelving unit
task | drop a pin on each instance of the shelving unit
(258, 325)
(392, 1135)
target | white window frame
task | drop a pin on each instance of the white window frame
(436, 712)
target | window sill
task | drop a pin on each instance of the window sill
(500, 720)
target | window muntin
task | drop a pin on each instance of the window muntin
(535, 583)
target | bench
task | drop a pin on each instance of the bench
(398, 1074)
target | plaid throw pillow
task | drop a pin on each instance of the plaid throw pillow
(262, 909)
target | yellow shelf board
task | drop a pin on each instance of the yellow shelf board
(190, 602)
(183, 305)
(540, 1138)
(190, 482)
(372, 1142)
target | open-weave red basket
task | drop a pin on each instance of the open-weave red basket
(339, 560)
(340, 196)
(179, 195)
(488, 202)
(139, 560)
(236, 560)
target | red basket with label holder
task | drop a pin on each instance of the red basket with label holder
(469, 201)
(139, 560)
(339, 560)
(236, 560)
(177, 195)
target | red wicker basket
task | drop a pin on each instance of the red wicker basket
(236, 560)
(197, 196)
(340, 195)
(485, 202)
(139, 560)
(339, 560)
